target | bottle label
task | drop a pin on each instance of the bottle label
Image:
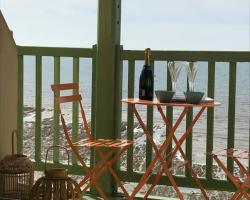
(146, 94)
(143, 92)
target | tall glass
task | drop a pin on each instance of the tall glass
(192, 68)
(174, 69)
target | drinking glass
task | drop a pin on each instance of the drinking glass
(192, 68)
(174, 69)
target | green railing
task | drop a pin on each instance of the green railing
(232, 58)
(131, 57)
(56, 53)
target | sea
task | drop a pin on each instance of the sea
(242, 112)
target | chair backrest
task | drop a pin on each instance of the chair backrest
(75, 97)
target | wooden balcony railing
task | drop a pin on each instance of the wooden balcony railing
(130, 59)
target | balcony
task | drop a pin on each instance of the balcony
(76, 58)
(220, 75)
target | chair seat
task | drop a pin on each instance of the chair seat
(108, 143)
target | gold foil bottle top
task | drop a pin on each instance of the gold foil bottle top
(147, 56)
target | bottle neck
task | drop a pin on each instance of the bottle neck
(147, 57)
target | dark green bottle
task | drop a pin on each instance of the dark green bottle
(146, 84)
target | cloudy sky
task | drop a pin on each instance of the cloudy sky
(159, 24)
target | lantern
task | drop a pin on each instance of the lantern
(55, 185)
(16, 175)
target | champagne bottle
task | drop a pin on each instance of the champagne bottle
(146, 84)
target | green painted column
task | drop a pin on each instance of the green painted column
(107, 79)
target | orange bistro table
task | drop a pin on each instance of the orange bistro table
(159, 152)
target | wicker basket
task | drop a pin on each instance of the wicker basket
(56, 185)
(16, 175)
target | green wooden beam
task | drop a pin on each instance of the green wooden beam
(231, 111)
(75, 107)
(38, 108)
(169, 111)
(93, 104)
(20, 105)
(182, 181)
(72, 169)
(107, 90)
(56, 119)
(210, 120)
(130, 115)
(56, 51)
(189, 140)
(150, 119)
(223, 56)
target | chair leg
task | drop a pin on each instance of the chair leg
(98, 166)
(109, 166)
(89, 172)
(236, 195)
(241, 186)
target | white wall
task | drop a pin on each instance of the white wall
(8, 87)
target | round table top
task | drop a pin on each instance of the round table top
(180, 104)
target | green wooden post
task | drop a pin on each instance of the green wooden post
(231, 111)
(189, 140)
(210, 119)
(56, 124)
(150, 112)
(107, 103)
(169, 110)
(75, 107)
(38, 108)
(20, 105)
(130, 117)
(93, 103)
(93, 91)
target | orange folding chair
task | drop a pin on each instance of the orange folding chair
(242, 184)
(116, 147)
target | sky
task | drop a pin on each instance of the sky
(222, 25)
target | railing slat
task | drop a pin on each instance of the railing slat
(38, 108)
(56, 126)
(20, 105)
(130, 116)
(93, 104)
(93, 91)
(231, 111)
(75, 107)
(150, 119)
(210, 119)
(169, 110)
(189, 140)
(118, 104)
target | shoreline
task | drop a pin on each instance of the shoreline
(198, 137)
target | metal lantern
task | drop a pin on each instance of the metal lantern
(56, 185)
(16, 175)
